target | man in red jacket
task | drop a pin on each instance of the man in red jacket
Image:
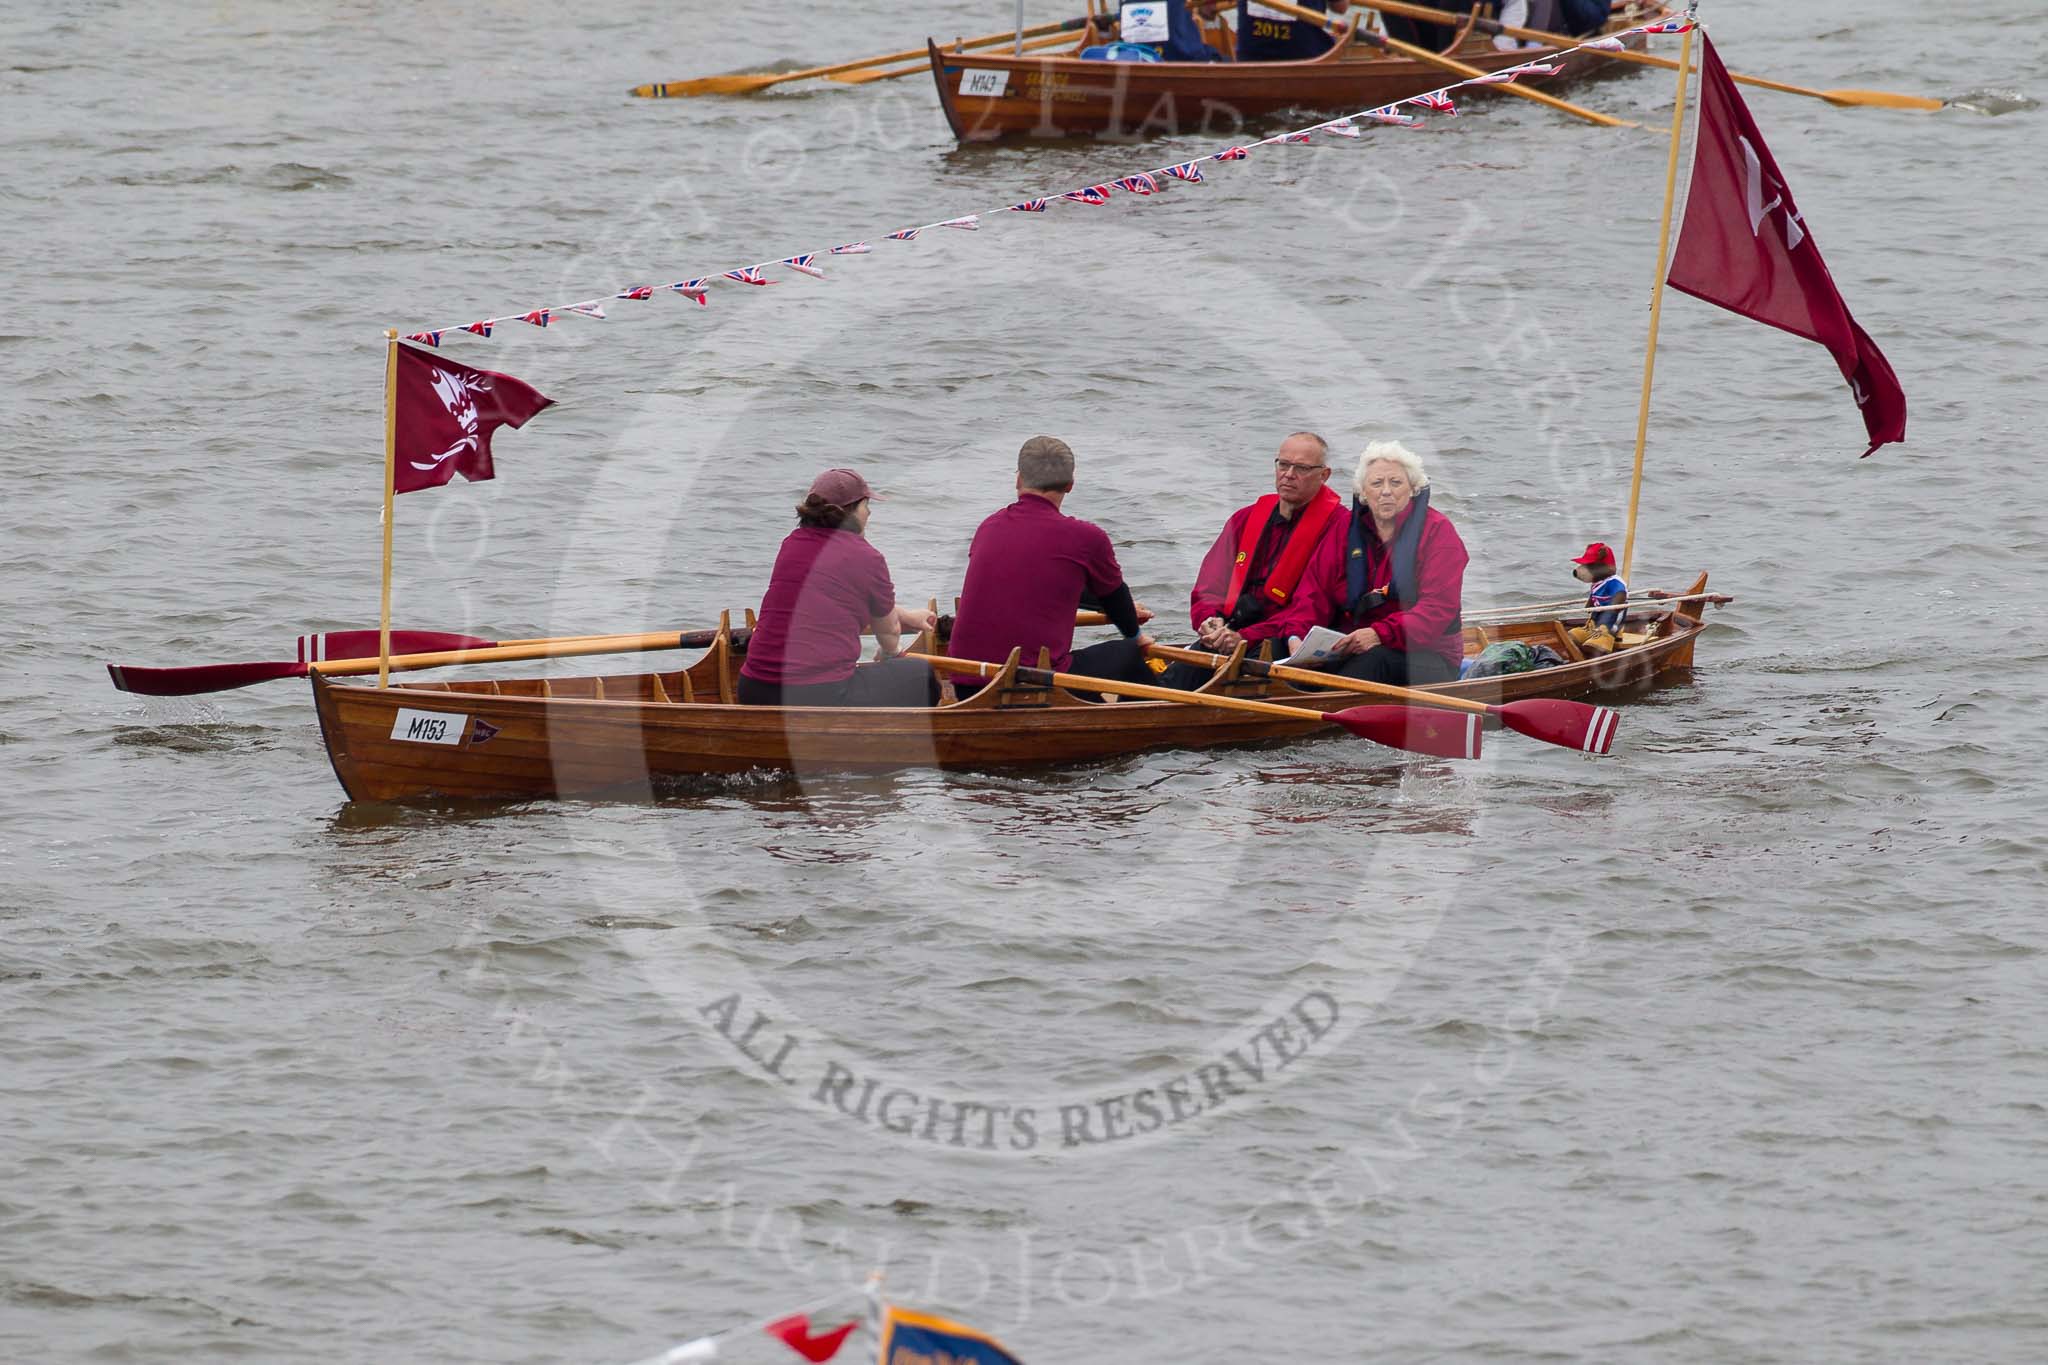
(1253, 584)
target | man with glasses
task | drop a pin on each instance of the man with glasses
(1253, 584)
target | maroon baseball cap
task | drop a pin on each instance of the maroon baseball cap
(841, 488)
(1596, 553)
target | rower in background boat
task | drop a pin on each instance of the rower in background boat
(1167, 27)
(1421, 33)
(1398, 576)
(1029, 567)
(1265, 34)
(1254, 583)
(828, 585)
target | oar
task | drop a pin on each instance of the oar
(743, 84)
(1882, 99)
(185, 682)
(1567, 724)
(1412, 728)
(344, 649)
(864, 77)
(1436, 59)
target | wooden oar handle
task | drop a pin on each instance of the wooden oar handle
(1327, 682)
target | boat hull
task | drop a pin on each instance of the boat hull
(477, 742)
(988, 96)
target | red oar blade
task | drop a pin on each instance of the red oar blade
(186, 682)
(362, 644)
(1418, 729)
(1571, 724)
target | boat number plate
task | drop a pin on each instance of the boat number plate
(428, 727)
(989, 83)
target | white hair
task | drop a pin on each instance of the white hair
(1410, 462)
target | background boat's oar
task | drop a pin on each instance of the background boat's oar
(864, 77)
(1437, 59)
(1413, 728)
(744, 84)
(1567, 724)
(1882, 99)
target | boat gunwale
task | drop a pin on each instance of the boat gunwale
(1563, 676)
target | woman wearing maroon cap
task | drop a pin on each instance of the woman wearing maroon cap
(829, 585)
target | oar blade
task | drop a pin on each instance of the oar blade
(1420, 730)
(188, 682)
(1568, 724)
(1881, 99)
(705, 85)
(362, 644)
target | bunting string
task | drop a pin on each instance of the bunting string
(1138, 184)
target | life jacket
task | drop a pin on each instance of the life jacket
(1309, 524)
(1401, 584)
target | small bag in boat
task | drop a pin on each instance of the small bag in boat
(1118, 52)
(1509, 656)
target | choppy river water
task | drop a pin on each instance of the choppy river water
(1728, 1048)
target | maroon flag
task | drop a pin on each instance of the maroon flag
(795, 1333)
(1745, 247)
(445, 414)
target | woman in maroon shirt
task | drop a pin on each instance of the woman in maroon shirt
(829, 585)
(1398, 577)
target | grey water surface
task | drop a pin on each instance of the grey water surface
(1732, 1047)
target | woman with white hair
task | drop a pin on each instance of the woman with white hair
(1400, 578)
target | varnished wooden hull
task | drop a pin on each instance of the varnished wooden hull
(1064, 96)
(528, 746)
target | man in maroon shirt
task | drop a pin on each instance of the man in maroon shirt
(1028, 569)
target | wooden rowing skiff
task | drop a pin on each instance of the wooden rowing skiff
(988, 96)
(625, 733)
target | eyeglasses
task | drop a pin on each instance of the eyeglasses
(1289, 467)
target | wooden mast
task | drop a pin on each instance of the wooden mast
(1635, 487)
(390, 488)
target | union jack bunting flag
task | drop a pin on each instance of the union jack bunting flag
(638, 291)
(1187, 170)
(695, 289)
(1028, 206)
(1343, 128)
(482, 329)
(539, 317)
(588, 310)
(971, 223)
(1604, 44)
(426, 338)
(1386, 113)
(851, 249)
(804, 265)
(1231, 154)
(750, 275)
(1437, 101)
(907, 235)
(1671, 26)
(1141, 183)
(1094, 194)
(1296, 137)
